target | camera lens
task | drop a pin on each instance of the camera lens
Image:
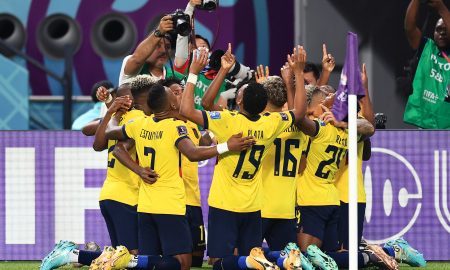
(209, 4)
(183, 27)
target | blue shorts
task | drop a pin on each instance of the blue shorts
(343, 223)
(122, 223)
(229, 230)
(161, 234)
(194, 217)
(278, 232)
(321, 222)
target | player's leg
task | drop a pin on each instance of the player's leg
(126, 232)
(266, 224)
(283, 231)
(66, 252)
(403, 252)
(149, 244)
(175, 237)
(195, 219)
(105, 209)
(222, 234)
(343, 226)
(311, 227)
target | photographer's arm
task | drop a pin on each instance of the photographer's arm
(146, 48)
(182, 49)
(365, 102)
(413, 33)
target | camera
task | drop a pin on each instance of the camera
(380, 121)
(181, 23)
(209, 5)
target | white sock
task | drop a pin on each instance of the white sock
(366, 258)
(73, 255)
(133, 262)
(249, 265)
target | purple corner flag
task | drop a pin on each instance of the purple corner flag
(350, 83)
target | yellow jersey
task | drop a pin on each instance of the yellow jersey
(236, 182)
(121, 184)
(279, 173)
(156, 146)
(342, 178)
(327, 149)
(189, 170)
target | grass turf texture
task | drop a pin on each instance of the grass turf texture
(32, 265)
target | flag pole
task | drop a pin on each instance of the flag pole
(352, 182)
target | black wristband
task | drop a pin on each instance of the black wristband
(158, 33)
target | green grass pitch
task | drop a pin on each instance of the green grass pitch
(32, 265)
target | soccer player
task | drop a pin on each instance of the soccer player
(159, 139)
(235, 197)
(189, 173)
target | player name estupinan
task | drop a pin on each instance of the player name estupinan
(151, 135)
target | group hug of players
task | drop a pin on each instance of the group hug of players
(281, 152)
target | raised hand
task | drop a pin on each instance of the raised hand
(437, 5)
(260, 75)
(297, 60)
(120, 104)
(329, 100)
(199, 61)
(195, 3)
(102, 94)
(328, 117)
(238, 143)
(228, 59)
(286, 73)
(166, 24)
(328, 62)
(364, 78)
(148, 175)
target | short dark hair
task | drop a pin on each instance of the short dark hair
(141, 84)
(276, 90)
(157, 98)
(311, 67)
(204, 39)
(254, 98)
(106, 84)
(168, 82)
(316, 92)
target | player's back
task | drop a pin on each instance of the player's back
(236, 180)
(156, 146)
(279, 173)
(327, 149)
(189, 170)
(121, 184)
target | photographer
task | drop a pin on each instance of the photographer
(429, 105)
(183, 56)
(150, 55)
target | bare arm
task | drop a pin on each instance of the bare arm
(364, 128)
(365, 102)
(146, 48)
(90, 128)
(297, 63)
(211, 93)
(182, 48)
(328, 64)
(413, 33)
(205, 140)
(187, 108)
(288, 79)
(235, 143)
(100, 140)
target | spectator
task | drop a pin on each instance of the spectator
(95, 112)
(429, 105)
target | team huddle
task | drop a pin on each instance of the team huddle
(280, 177)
